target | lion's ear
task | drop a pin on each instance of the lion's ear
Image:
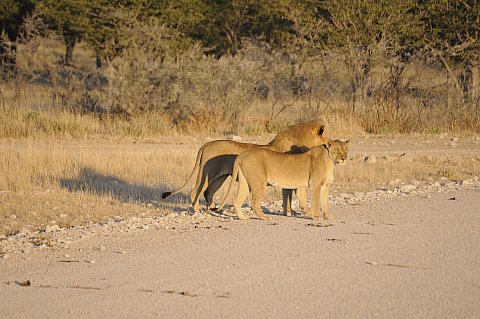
(330, 143)
(321, 130)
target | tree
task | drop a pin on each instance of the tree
(452, 35)
(220, 25)
(69, 18)
(356, 31)
(12, 15)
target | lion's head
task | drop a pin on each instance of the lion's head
(339, 150)
(300, 137)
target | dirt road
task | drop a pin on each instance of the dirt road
(404, 257)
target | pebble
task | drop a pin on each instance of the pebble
(371, 159)
(53, 228)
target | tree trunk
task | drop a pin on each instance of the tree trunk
(475, 85)
(98, 62)
(69, 45)
(8, 59)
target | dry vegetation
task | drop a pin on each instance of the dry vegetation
(253, 93)
(69, 183)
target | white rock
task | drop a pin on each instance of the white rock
(407, 188)
(395, 181)
(24, 231)
(52, 228)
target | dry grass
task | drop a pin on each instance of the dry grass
(361, 176)
(71, 183)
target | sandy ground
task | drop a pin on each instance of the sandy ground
(413, 256)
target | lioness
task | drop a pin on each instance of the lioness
(314, 169)
(214, 162)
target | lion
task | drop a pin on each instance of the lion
(214, 162)
(313, 169)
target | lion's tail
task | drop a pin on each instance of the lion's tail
(196, 169)
(236, 169)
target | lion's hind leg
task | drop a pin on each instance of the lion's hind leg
(257, 209)
(212, 188)
(242, 194)
(258, 193)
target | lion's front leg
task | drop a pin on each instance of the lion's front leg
(287, 195)
(302, 199)
(315, 210)
(324, 201)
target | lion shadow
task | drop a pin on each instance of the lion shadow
(93, 182)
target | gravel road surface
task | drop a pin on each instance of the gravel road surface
(412, 256)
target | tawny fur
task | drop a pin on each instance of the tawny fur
(257, 168)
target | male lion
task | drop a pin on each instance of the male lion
(215, 160)
(314, 169)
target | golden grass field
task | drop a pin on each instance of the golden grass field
(72, 182)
